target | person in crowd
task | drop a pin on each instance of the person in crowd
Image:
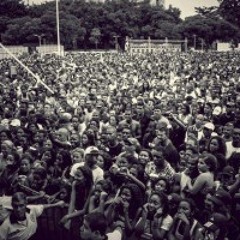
(154, 221)
(126, 119)
(185, 226)
(22, 222)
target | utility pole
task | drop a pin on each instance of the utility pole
(116, 42)
(194, 41)
(39, 38)
(58, 28)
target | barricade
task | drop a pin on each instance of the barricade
(49, 226)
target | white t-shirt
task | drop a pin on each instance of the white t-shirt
(21, 230)
(115, 235)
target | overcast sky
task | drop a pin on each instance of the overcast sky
(186, 6)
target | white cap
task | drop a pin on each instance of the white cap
(15, 123)
(209, 125)
(217, 110)
(91, 150)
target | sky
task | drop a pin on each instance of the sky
(186, 6)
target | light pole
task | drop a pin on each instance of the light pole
(202, 44)
(116, 41)
(58, 32)
(39, 38)
(194, 41)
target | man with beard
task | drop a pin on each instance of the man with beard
(21, 224)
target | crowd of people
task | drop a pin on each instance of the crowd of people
(135, 146)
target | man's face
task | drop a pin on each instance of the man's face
(110, 134)
(227, 131)
(157, 114)
(19, 209)
(128, 115)
(91, 159)
(75, 140)
(161, 135)
(236, 135)
(140, 109)
(192, 162)
(158, 158)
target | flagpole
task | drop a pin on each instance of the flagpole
(58, 31)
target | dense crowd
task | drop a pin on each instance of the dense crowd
(135, 146)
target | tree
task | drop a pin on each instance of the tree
(209, 29)
(12, 8)
(95, 37)
(230, 11)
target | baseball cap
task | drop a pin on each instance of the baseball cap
(228, 170)
(91, 150)
(218, 219)
(131, 141)
(209, 126)
(221, 197)
(15, 123)
(217, 110)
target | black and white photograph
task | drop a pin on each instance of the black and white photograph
(119, 119)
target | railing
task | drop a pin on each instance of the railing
(49, 227)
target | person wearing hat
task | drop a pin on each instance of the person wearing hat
(215, 228)
(208, 130)
(221, 206)
(90, 156)
(226, 178)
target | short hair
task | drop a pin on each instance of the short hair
(97, 222)
(19, 196)
(211, 161)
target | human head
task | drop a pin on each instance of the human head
(162, 131)
(192, 156)
(158, 200)
(77, 155)
(145, 156)
(207, 162)
(217, 145)
(19, 202)
(236, 136)
(91, 153)
(186, 207)
(94, 227)
(158, 158)
(162, 185)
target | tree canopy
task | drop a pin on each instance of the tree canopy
(93, 24)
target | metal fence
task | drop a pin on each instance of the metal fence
(49, 227)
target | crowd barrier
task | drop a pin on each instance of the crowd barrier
(49, 226)
(16, 50)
